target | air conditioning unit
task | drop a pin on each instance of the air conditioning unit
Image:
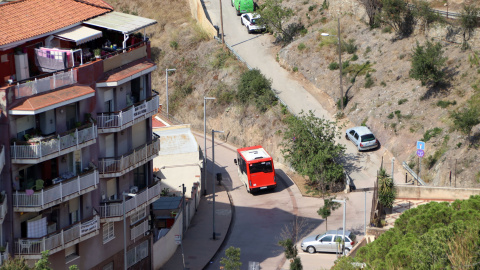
(146, 233)
(134, 189)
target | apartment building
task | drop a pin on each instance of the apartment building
(76, 134)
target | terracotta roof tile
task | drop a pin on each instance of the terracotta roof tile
(25, 19)
(41, 101)
(126, 71)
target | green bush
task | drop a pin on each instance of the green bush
(349, 46)
(384, 84)
(255, 88)
(390, 116)
(364, 122)
(312, 7)
(333, 66)
(401, 101)
(444, 104)
(354, 57)
(368, 81)
(301, 46)
(295, 69)
(345, 64)
(387, 29)
(173, 45)
(431, 133)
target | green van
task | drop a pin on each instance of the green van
(243, 6)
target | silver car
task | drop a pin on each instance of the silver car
(362, 137)
(250, 21)
(328, 242)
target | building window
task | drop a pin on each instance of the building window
(71, 253)
(108, 232)
(109, 266)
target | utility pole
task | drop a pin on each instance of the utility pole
(221, 24)
(340, 63)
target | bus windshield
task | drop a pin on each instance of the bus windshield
(265, 167)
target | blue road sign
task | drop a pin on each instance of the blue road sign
(420, 153)
(420, 145)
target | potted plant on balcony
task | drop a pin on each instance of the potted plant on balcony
(97, 53)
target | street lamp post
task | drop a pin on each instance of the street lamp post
(166, 83)
(205, 144)
(125, 230)
(213, 173)
(344, 201)
(339, 61)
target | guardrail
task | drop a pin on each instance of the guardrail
(47, 146)
(452, 15)
(58, 241)
(147, 196)
(414, 175)
(124, 164)
(56, 194)
(37, 86)
(123, 119)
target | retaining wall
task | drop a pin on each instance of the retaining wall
(434, 193)
(196, 8)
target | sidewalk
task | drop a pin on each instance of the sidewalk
(198, 244)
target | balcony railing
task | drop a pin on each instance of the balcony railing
(114, 167)
(2, 157)
(115, 210)
(4, 256)
(45, 84)
(56, 194)
(113, 122)
(139, 230)
(56, 146)
(3, 208)
(59, 240)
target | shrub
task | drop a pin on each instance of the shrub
(301, 46)
(431, 133)
(368, 50)
(254, 87)
(428, 63)
(312, 7)
(390, 116)
(349, 46)
(444, 104)
(364, 122)
(401, 101)
(333, 66)
(295, 69)
(354, 57)
(384, 84)
(368, 81)
(173, 45)
(387, 29)
(466, 119)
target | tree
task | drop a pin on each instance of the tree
(328, 206)
(43, 263)
(466, 119)
(373, 8)
(468, 22)
(254, 87)
(386, 189)
(425, 14)
(309, 146)
(274, 16)
(397, 15)
(428, 63)
(232, 259)
(296, 264)
(289, 247)
(17, 263)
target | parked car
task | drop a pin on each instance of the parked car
(243, 6)
(250, 21)
(328, 242)
(362, 137)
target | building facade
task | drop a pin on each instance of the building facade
(76, 141)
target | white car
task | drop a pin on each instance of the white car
(250, 21)
(362, 137)
(328, 242)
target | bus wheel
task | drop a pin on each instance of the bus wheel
(248, 190)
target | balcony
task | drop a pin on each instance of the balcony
(111, 212)
(4, 255)
(30, 248)
(117, 121)
(115, 167)
(52, 147)
(139, 230)
(24, 201)
(3, 207)
(45, 84)
(2, 157)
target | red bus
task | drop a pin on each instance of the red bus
(255, 168)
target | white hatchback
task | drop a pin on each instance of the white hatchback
(250, 21)
(362, 137)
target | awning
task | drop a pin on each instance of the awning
(79, 34)
(42, 103)
(121, 22)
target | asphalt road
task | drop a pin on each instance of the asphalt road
(257, 50)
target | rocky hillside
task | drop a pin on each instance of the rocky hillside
(397, 108)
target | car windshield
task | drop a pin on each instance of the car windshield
(265, 167)
(368, 138)
(253, 21)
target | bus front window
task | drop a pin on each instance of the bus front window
(265, 167)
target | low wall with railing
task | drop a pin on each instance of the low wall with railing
(165, 247)
(434, 193)
(126, 57)
(196, 8)
(45, 84)
(23, 200)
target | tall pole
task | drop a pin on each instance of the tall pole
(124, 236)
(213, 173)
(183, 209)
(340, 62)
(166, 83)
(221, 23)
(365, 224)
(344, 201)
(205, 144)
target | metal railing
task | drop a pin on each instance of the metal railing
(414, 175)
(2, 157)
(49, 146)
(59, 240)
(4, 255)
(137, 254)
(37, 86)
(129, 116)
(57, 193)
(147, 196)
(130, 161)
(139, 230)
(3, 208)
